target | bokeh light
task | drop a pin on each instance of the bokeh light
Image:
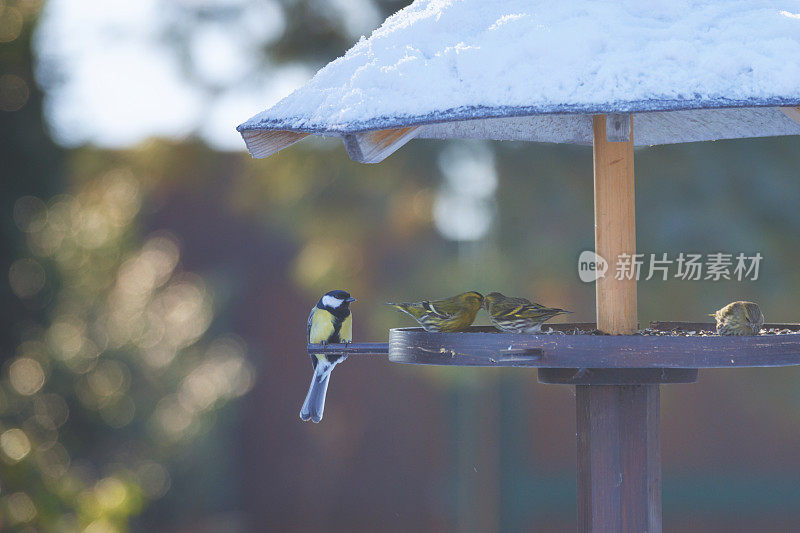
(464, 206)
(14, 91)
(11, 21)
(20, 508)
(15, 444)
(51, 410)
(154, 479)
(110, 493)
(26, 277)
(53, 460)
(26, 375)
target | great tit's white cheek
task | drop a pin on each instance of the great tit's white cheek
(330, 301)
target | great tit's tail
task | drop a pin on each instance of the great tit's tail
(315, 399)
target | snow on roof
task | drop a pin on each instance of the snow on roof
(487, 68)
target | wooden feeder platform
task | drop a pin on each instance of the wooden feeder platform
(485, 346)
(574, 353)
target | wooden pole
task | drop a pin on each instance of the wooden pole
(619, 459)
(619, 450)
(614, 229)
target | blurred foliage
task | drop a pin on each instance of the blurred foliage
(121, 373)
(31, 162)
(319, 30)
(111, 372)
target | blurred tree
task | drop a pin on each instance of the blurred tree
(31, 161)
(318, 30)
(120, 374)
(113, 370)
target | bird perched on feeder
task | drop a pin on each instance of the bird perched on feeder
(739, 318)
(446, 315)
(330, 322)
(518, 315)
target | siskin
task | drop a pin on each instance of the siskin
(446, 315)
(518, 315)
(330, 322)
(739, 318)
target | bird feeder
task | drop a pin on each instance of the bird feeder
(613, 75)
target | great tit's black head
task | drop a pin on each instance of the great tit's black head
(336, 299)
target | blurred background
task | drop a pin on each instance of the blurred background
(157, 283)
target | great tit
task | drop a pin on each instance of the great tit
(518, 315)
(739, 318)
(330, 322)
(446, 315)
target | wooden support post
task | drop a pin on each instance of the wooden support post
(619, 451)
(619, 459)
(614, 228)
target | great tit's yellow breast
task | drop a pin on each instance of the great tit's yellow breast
(322, 326)
(346, 332)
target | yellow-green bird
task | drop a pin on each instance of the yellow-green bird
(739, 318)
(518, 315)
(330, 322)
(456, 313)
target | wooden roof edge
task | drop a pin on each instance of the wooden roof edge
(264, 143)
(375, 146)
(792, 112)
(364, 147)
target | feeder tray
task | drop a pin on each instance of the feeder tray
(565, 356)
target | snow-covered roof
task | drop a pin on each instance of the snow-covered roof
(688, 70)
